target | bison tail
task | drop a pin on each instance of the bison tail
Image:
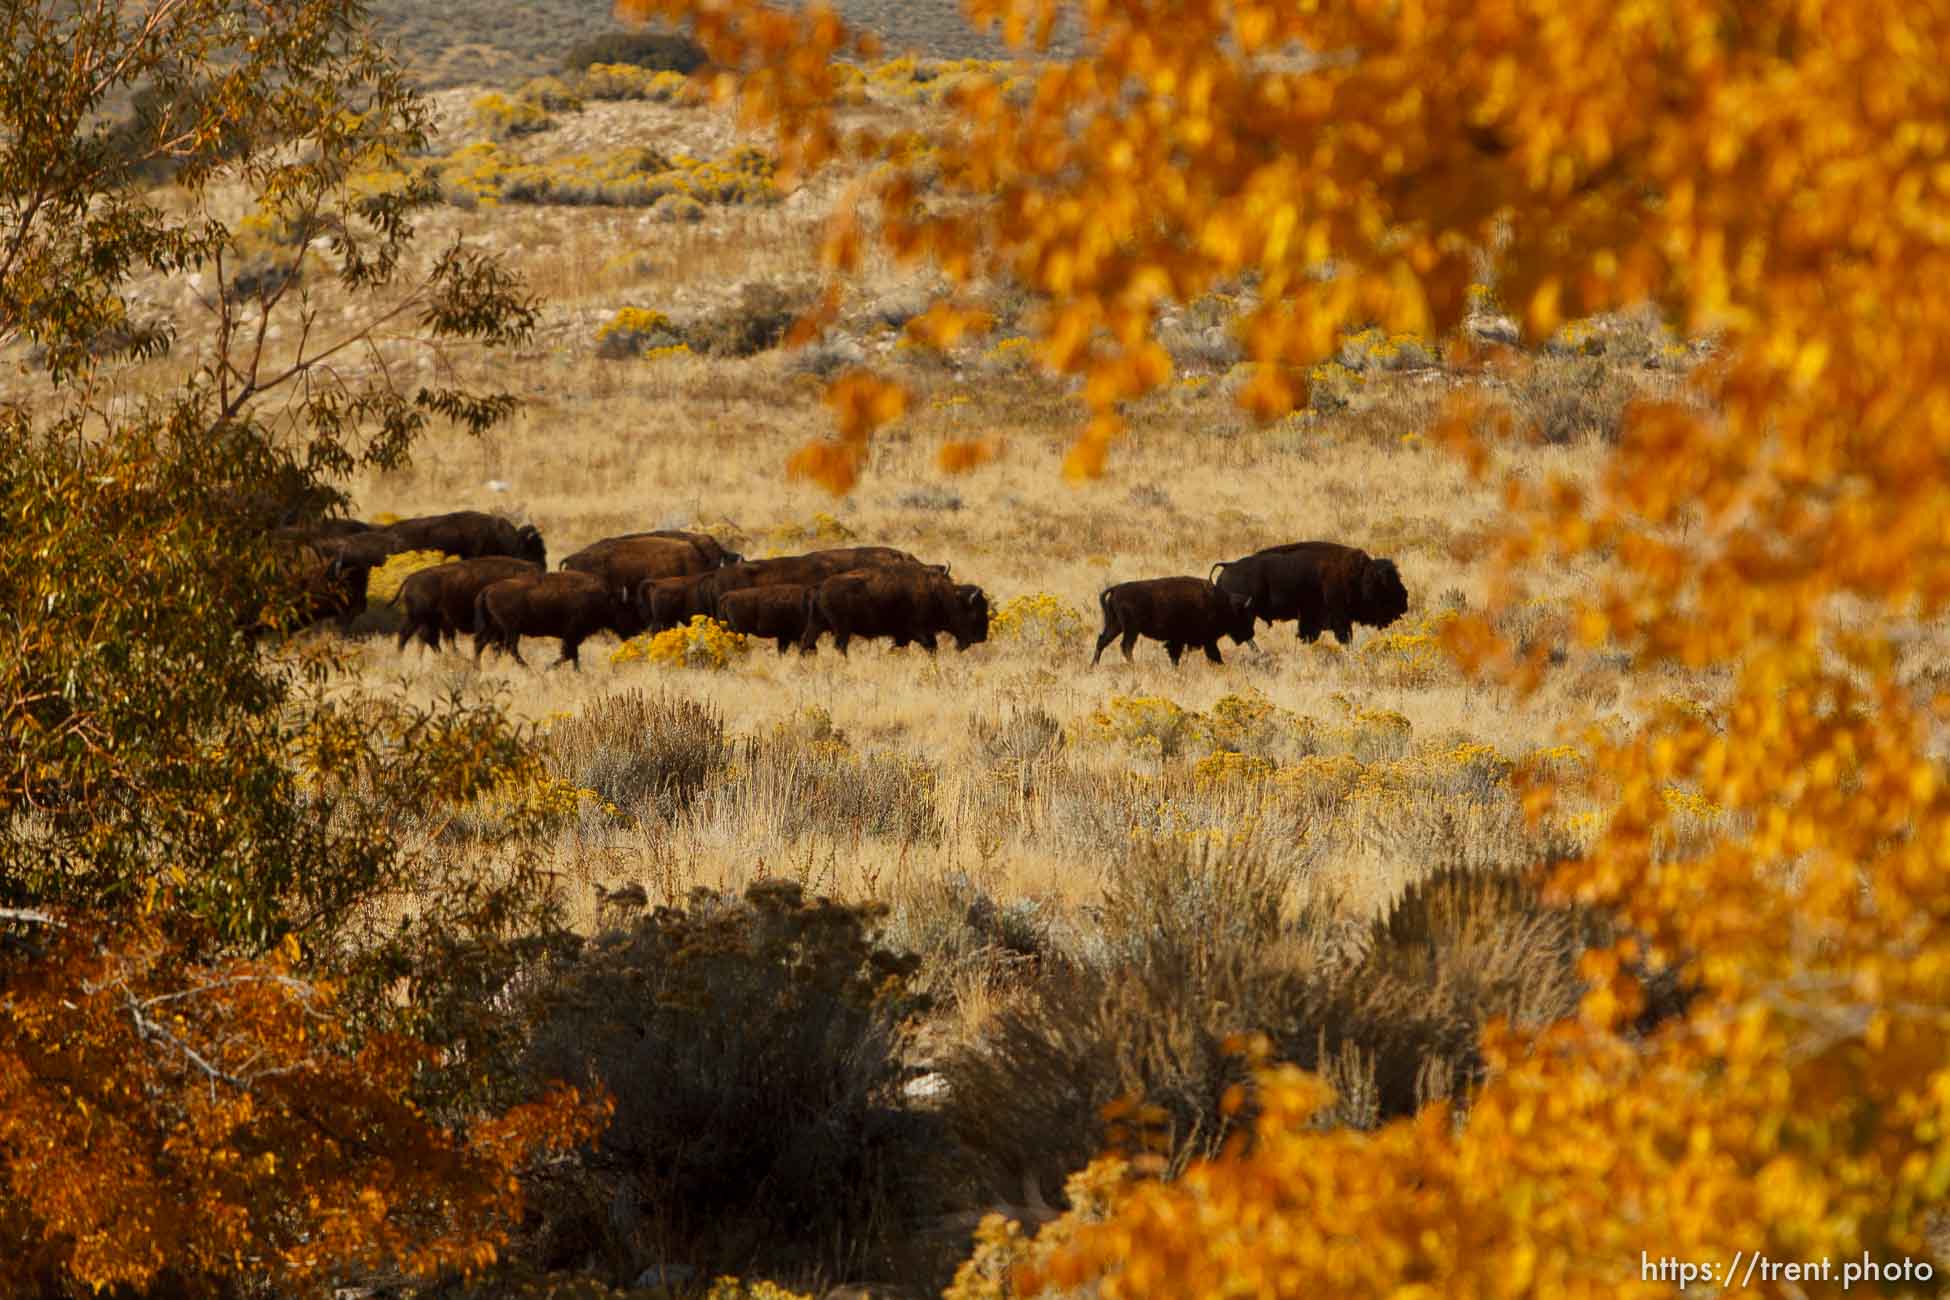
(1213, 576)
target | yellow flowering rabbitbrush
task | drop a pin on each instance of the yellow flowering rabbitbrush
(702, 643)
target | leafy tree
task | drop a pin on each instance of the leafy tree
(242, 973)
(163, 1122)
(1769, 171)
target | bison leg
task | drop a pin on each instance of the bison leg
(511, 642)
(406, 630)
(571, 653)
(1212, 651)
(1344, 632)
(1174, 649)
(783, 642)
(839, 640)
(928, 643)
(1109, 635)
(1130, 643)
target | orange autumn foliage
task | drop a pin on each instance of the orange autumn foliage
(963, 455)
(158, 1114)
(1775, 173)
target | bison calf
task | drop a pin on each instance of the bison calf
(1176, 611)
(1321, 586)
(571, 606)
(769, 613)
(438, 603)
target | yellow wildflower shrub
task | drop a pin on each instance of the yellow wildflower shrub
(552, 93)
(635, 332)
(1252, 724)
(536, 797)
(824, 529)
(1410, 653)
(1229, 767)
(384, 581)
(1320, 777)
(1013, 353)
(1148, 725)
(731, 1288)
(502, 118)
(637, 176)
(1039, 619)
(702, 643)
(612, 81)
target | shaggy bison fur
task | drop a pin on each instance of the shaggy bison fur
(467, 535)
(628, 562)
(437, 604)
(1322, 586)
(1177, 611)
(570, 606)
(904, 603)
(770, 613)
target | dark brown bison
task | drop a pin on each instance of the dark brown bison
(1177, 611)
(902, 602)
(769, 613)
(370, 548)
(571, 606)
(338, 527)
(664, 603)
(1322, 586)
(467, 535)
(628, 562)
(438, 603)
(806, 570)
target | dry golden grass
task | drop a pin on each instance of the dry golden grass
(684, 439)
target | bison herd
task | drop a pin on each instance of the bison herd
(500, 590)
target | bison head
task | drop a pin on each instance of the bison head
(970, 622)
(625, 618)
(528, 545)
(1382, 596)
(1239, 620)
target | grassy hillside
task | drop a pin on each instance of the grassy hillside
(489, 41)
